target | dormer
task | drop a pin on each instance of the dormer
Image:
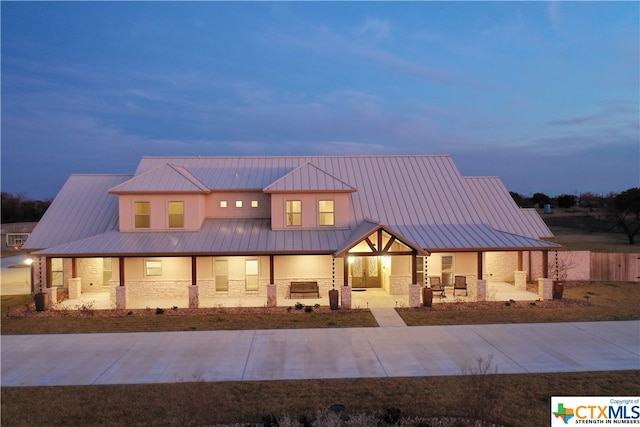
(166, 198)
(309, 198)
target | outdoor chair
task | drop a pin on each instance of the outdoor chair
(436, 285)
(460, 284)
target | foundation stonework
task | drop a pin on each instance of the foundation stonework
(121, 297)
(272, 295)
(53, 297)
(75, 288)
(520, 280)
(346, 298)
(545, 289)
(194, 296)
(481, 290)
(414, 296)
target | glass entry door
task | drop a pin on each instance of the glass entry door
(365, 272)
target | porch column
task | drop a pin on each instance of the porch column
(480, 265)
(272, 292)
(121, 290)
(545, 264)
(194, 293)
(520, 261)
(74, 267)
(346, 289)
(414, 290)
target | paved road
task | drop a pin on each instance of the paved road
(161, 357)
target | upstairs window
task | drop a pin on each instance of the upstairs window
(223, 203)
(238, 203)
(254, 203)
(326, 212)
(142, 213)
(176, 214)
(294, 213)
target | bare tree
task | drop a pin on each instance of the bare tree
(623, 212)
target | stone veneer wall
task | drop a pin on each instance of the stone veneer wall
(572, 265)
(178, 289)
(399, 285)
(90, 270)
(500, 266)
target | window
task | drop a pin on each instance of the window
(238, 203)
(222, 275)
(223, 203)
(176, 214)
(142, 214)
(57, 272)
(326, 212)
(107, 271)
(251, 275)
(153, 267)
(294, 212)
(254, 203)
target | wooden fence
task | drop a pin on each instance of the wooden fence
(615, 266)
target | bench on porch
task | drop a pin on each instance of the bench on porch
(305, 288)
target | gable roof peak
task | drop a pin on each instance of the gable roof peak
(165, 178)
(308, 178)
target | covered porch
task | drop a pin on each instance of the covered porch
(360, 299)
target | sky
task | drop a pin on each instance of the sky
(544, 95)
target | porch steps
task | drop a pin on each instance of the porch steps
(387, 317)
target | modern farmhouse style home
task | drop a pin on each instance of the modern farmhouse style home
(196, 231)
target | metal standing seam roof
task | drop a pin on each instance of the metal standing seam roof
(496, 205)
(422, 198)
(166, 178)
(308, 178)
(83, 208)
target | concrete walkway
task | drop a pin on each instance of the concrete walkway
(161, 357)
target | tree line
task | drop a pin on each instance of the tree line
(622, 210)
(18, 208)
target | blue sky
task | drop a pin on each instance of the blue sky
(544, 95)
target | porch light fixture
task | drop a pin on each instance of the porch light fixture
(28, 261)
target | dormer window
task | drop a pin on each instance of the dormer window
(142, 214)
(294, 213)
(326, 213)
(176, 214)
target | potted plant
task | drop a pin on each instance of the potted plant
(40, 299)
(559, 271)
(427, 296)
(333, 299)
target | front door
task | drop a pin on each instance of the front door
(365, 272)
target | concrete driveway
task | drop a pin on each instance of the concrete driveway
(15, 276)
(162, 357)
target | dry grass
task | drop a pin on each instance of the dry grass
(596, 301)
(526, 402)
(19, 317)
